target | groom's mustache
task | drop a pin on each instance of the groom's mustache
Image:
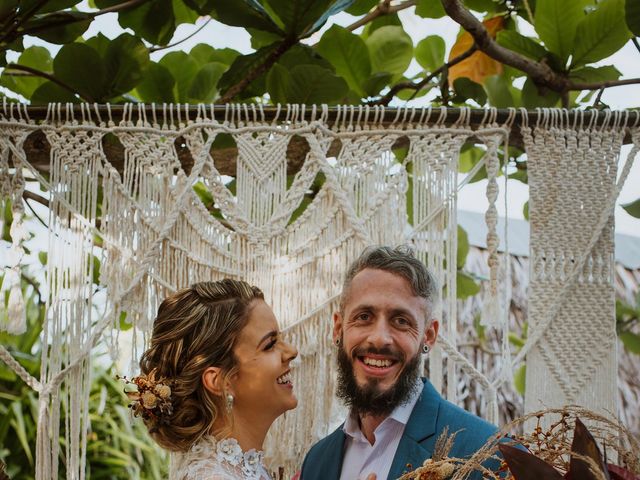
(393, 354)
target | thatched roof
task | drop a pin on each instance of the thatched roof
(484, 354)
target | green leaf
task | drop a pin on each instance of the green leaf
(360, 7)
(633, 208)
(601, 33)
(154, 21)
(183, 69)
(7, 6)
(595, 74)
(204, 54)
(306, 84)
(349, 55)
(245, 14)
(430, 52)
(466, 285)
(99, 43)
(260, 38)
(182, 13)
(79, 66)
(468, 89)
(556, 23)
(18, 425)
(489, 6)
(533, 97)
(50, 92)
(156, 85)
(525, 210)
(60, 27)
(463, 247)
(203, 88)
(519, 379)
(301, 54)
(520, 44)
(430, 9)
(35, 57)
(43, 257)
(632, 16)
(376, 82)
(498, 91)
(123, 324)
(391, 50)
(49, 6)
(125, 60)
(392, 20)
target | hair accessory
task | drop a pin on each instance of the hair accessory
(425, 348)
(151, 399)
(230, 400)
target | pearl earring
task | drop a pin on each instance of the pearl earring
(230, 400)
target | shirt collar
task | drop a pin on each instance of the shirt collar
(400, 414)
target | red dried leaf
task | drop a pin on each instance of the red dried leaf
(620, 473)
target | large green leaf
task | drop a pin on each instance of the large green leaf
(430, 9)
(156, 85)
(376, 82)
(533, 97)
(463, 247)
(204, 88)
(306, 84)
(24, 84)
(299, 18)
(631, 341)
(59, 27)
(633, 208)
(430, 52)
(182, 13)
(349, 55)
(183, 69)
(245, 14)
(498, 91)
(45, 7)
(519, 379)
(391, 50)
(466, 286)
(556, 24)
(467, 89)
(204, 54)
(301, 54)
(632, 16)
(601, 33)
(80, 67)
(360, 7)
(595, 74)
(490, 6)
(154, 21)
(125, 61)
(519, 43)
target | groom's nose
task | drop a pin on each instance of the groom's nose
(380, 333)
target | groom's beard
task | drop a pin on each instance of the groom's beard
(369, 399)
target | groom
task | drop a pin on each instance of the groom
(384, 326)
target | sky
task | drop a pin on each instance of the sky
(472, 197)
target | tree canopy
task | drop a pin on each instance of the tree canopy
(560, 64)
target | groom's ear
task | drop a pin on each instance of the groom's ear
(337, 326)
(212, 379)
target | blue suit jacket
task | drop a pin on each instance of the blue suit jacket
(429, 417)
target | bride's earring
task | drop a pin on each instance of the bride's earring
(229, 402)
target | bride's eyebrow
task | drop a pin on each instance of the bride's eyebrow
(272, 333)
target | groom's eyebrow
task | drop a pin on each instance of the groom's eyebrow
(272, 333)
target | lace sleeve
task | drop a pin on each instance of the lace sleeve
(210, 470)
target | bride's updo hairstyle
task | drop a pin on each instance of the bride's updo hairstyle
(196, 328)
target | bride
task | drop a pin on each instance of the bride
(214, 379)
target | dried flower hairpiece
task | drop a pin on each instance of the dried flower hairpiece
(152, 398)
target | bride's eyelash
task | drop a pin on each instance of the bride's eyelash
(271, 344)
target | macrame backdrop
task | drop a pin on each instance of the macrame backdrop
(157, 237)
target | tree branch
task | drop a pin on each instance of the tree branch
(157, 49)
(234, 90)
(539, 72)
(48, 76)
(28, 14)
(383, 8)
(635, 42)
(90, 15)
(418, 86)
(607, 84)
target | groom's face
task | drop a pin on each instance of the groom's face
(382, 328)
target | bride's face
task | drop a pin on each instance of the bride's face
(263, 382)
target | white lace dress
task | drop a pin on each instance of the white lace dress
(210, 459)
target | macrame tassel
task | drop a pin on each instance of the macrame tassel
(16, 310)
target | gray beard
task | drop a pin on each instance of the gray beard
(369, 399)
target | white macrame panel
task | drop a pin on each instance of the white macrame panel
(157, 236)
(572, 174)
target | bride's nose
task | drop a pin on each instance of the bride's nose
(289, 352)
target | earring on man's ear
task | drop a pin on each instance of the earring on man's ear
(230, 400)
(337, 342)
(425, 348)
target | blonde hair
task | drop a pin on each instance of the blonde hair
(195, 328)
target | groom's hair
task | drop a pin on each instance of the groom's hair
(195, 328)
(400, 261)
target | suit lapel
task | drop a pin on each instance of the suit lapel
(332, 462)
(418, 440)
